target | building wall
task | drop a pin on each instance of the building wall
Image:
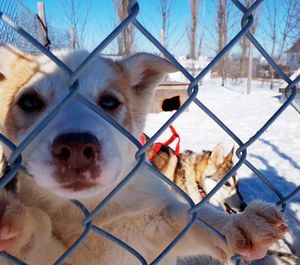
(293, 59)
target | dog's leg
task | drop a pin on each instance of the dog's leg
(25, 232)
(191, 184)
(188, 167)
(249, 234)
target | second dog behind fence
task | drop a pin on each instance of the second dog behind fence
(198, 173)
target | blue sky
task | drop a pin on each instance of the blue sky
(103, 18)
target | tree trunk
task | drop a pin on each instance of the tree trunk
(222, 35)
(126, 39)
(194, 10)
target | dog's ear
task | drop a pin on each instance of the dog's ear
(146, 70)
(8, 55)
(216, 157)
(171, 150)
(230, 155)
(145, 138)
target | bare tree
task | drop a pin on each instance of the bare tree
(60, 38)
(227, 25)
(222, 20)
(290, 24)
(194, 5)
(77, 14)
(201, 41)
(295, 21)
(202, 31)
(168, 23)
(164, 8)
(126, 38)
(244, 42)
(280, 36)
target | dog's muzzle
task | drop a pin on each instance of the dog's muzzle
(75, 157)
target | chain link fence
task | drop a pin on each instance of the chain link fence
(19, 13)
(23, 17)
(13, 30)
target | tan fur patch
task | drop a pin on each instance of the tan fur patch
(135, 103)
(22, 71)
(121, 84)
(148, 75)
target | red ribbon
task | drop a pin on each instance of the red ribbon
(157, 146)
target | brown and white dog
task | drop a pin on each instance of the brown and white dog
(81, 156)
(198, 173)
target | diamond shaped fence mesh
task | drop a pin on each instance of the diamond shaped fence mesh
(13, 31)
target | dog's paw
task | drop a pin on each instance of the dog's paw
(250, 234)
(14, 224)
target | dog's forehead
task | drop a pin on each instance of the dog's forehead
(95, 77)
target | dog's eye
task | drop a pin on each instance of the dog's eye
(30, 102)
(109, 103)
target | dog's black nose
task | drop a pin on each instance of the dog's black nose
(76, 150)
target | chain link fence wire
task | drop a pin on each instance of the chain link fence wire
(19, 13)
(23, 17)
(12, 32)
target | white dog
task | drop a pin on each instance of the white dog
(81, 156)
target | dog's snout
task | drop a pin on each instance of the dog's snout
(76, 150)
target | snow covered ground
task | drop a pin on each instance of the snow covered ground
(276, 154)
